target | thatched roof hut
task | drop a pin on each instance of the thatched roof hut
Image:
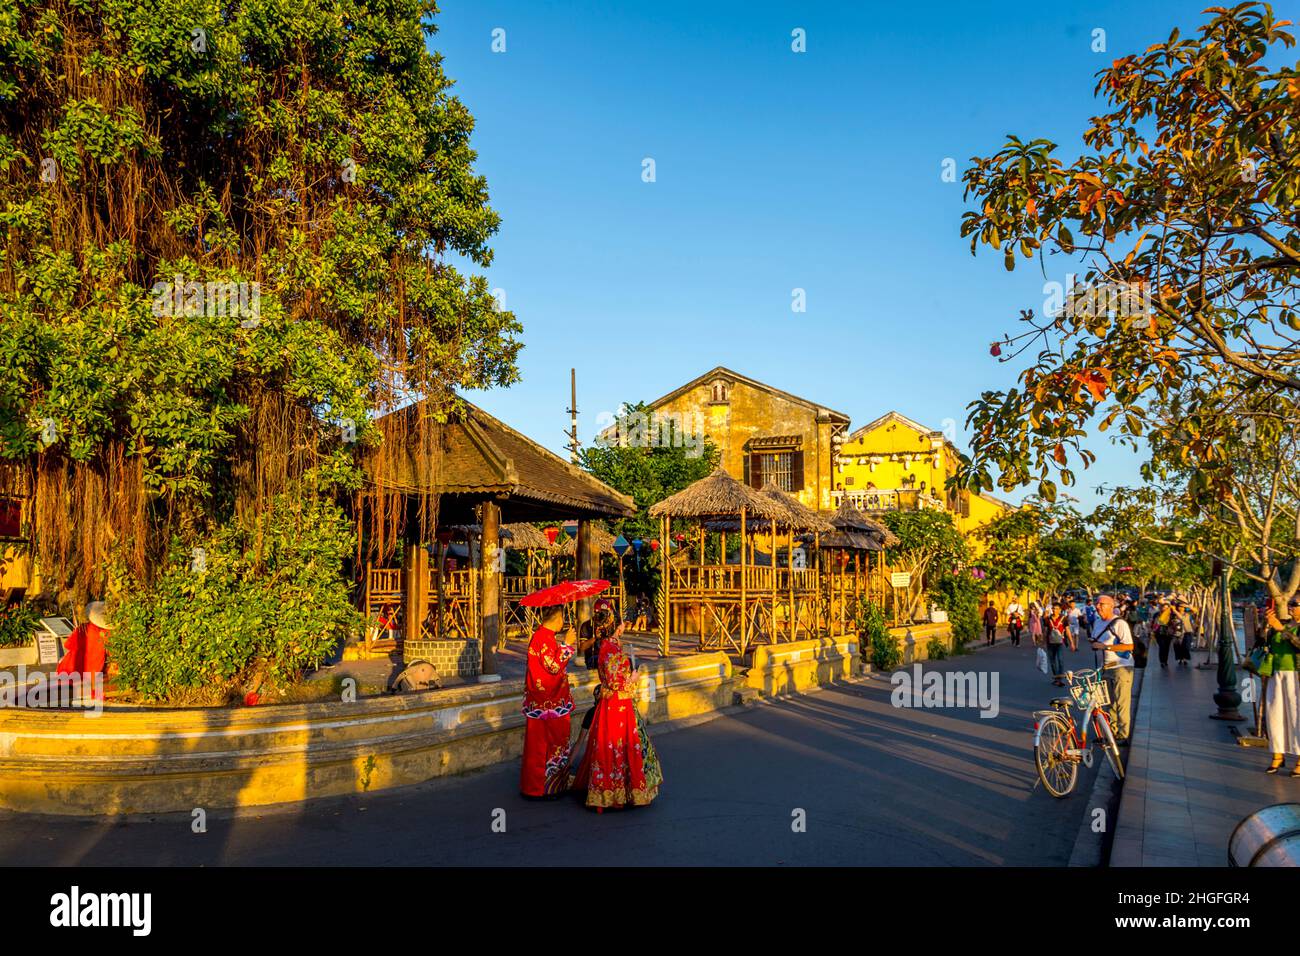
(849, 519)
(600, 536)
(798, 516)
(525, 537)
(717, 496)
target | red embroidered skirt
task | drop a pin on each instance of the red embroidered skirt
(545, 768)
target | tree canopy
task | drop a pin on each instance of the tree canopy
(229, 241)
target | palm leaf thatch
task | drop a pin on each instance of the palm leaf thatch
(849, 518)
(566, 547)
(717, 495)
(797, 517)
(525, 537)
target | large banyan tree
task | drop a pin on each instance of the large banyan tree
(227, 239)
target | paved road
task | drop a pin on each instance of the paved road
(878, 785)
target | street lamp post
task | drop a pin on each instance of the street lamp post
(1228, 698)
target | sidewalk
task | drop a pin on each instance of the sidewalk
(1188, 781)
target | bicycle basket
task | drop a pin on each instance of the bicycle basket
(1090, 687)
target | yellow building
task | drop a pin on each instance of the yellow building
(762, 432)
(897, 464)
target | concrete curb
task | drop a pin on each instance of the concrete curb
(1092, 849)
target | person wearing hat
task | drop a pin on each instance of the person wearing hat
(84, 653)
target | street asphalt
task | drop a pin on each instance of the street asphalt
(872, 784)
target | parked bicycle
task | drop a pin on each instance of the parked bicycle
(1059, 747)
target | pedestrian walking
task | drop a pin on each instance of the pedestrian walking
(1111, 635)
(1057, 635)
(1035, 624)
(1282, 696)
(990, 624)
(1014, 622)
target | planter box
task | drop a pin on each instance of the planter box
(13, 656)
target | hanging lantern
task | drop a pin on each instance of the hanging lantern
(621, 545)
(637, 545)
(552, 533)
(654, 544)
(571, 528)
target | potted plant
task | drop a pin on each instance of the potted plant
(18, 624)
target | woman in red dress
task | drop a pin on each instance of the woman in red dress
(620, 767)
(548, 702)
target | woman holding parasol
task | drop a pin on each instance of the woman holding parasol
(548, 701)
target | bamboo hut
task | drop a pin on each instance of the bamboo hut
(856, 536)
(720, 594)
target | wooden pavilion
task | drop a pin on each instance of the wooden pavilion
(849, 571)
(431, 480)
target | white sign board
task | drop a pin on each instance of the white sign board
(49, 637)
(901, 579)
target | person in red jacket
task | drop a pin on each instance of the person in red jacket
(548, 702)
(83, 651)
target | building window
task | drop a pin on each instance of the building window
(718, 391)
(776, 469)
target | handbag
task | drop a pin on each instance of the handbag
(1040, 660)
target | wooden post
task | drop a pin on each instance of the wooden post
(744, 591)
(416, 597)
(584, 567)
(772, 562)
(489, 550)
(817, 570)
(665, 585)
(789, 574)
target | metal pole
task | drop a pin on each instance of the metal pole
(1228, 698)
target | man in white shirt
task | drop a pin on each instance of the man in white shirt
(1111, 634)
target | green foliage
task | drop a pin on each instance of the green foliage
(935, 649)
(1178, 217)
(648, 470)
(959, 594)
(882, 649)
(261, 602)
(930, 547)
(311, 155)
(17, 624)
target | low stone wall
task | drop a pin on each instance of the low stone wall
(139, 760)
(915, 640)
(461, 658)
(800, 665)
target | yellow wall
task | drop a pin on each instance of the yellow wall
(751, 412)
(897, 456)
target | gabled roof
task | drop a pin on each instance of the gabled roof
(894, 417)
(721, 371)
(485, 458)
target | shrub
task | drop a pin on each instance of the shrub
(935, 649)
(260, 601)
(959, 595)
(886, 651)
(17, 624)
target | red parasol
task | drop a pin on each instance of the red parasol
(564, 592)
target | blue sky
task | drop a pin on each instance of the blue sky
(774, 171)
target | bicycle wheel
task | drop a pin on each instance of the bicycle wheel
(1107, 738)
(1051, 756)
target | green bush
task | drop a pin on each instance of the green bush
(935, 649)
(959, 595)
(886, 650)
(17, 624)
(263, 599)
